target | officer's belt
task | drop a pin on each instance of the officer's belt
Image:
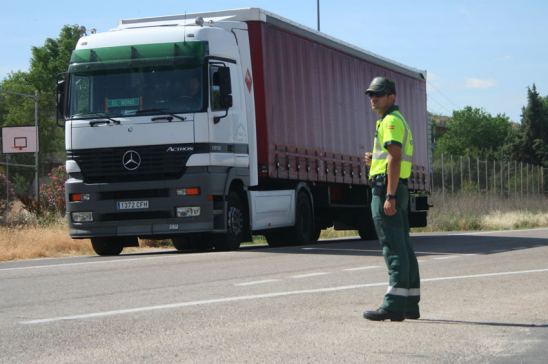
(383, 178)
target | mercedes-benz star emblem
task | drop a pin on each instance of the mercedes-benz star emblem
(131, 160)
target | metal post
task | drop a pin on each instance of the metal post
(469, 172)
(7, 184)
(442, 179)
(461, 176)
(495, 177)
(486, 177)
(318, 8)
(509, 179)
(477, 160)
(515, 179)
(521, 178)
(36, 172)
(501, 178)
(540, 180)
(527, 179)
(452, 182)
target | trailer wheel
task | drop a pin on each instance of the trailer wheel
(316, 234)
(107, 246)
(304, 229)
(235, 225)
(367, 228)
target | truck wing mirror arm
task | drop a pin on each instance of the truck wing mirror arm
(226, 103)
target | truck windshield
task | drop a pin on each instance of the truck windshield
(127, 92)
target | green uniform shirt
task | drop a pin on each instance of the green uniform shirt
(392, 129)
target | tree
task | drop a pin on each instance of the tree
(532, 147)
(474, 132)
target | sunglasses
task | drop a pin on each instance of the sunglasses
(376, 94)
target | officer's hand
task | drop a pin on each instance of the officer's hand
(390, 207)
(367, 158)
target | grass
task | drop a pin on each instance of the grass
(463, 212)
(452, 213)
(39, 242)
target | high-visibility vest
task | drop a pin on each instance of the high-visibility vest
(392, 129)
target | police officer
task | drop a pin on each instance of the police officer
(390, 167)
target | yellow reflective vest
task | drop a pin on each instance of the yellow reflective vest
(392, 129)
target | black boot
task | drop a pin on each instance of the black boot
(381, 314)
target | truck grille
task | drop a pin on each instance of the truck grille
(107, 164)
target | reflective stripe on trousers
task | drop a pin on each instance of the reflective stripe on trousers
(404, 292)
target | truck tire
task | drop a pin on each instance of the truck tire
(304, 229)
(316, 234)
(192, 242)
(107, 246)
(235, 224)
(367, 228)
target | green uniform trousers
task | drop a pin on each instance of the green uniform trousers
(403, 294)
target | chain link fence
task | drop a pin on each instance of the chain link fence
(509, 179)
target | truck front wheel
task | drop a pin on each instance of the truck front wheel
(107, 246)
(235, 224)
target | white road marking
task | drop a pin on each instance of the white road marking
(260, 296)
(447, 257)
(498, 231)
(366, 250)
(309, 275)
(87, 263)
(346, 250)
(256, 282)
(362, 268)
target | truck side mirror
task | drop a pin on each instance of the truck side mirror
(60, 100)
(225, 86)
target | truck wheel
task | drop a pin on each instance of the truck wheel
(367, 230)
(107, 246)
(192, 242)
(235, 225)
(304, 229)
(316, 234)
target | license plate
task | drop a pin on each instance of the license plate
(131, 205)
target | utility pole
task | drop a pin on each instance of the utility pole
(318, 8)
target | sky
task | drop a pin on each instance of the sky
(482, 53)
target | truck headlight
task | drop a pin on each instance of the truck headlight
(82, 216)
(72, 167)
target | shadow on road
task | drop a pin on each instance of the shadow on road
(424, 245)
(459, 322)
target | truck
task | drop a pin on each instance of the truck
(209, 128)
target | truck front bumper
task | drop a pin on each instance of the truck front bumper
(147, 208)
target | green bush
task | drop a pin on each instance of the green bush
(52, 193)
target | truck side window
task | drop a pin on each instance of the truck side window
(215, 88)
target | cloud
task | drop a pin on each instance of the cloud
(479, 83)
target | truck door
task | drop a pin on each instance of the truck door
(228, 133)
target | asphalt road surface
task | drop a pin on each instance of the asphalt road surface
(484, 299)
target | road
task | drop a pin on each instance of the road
(484, 299)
